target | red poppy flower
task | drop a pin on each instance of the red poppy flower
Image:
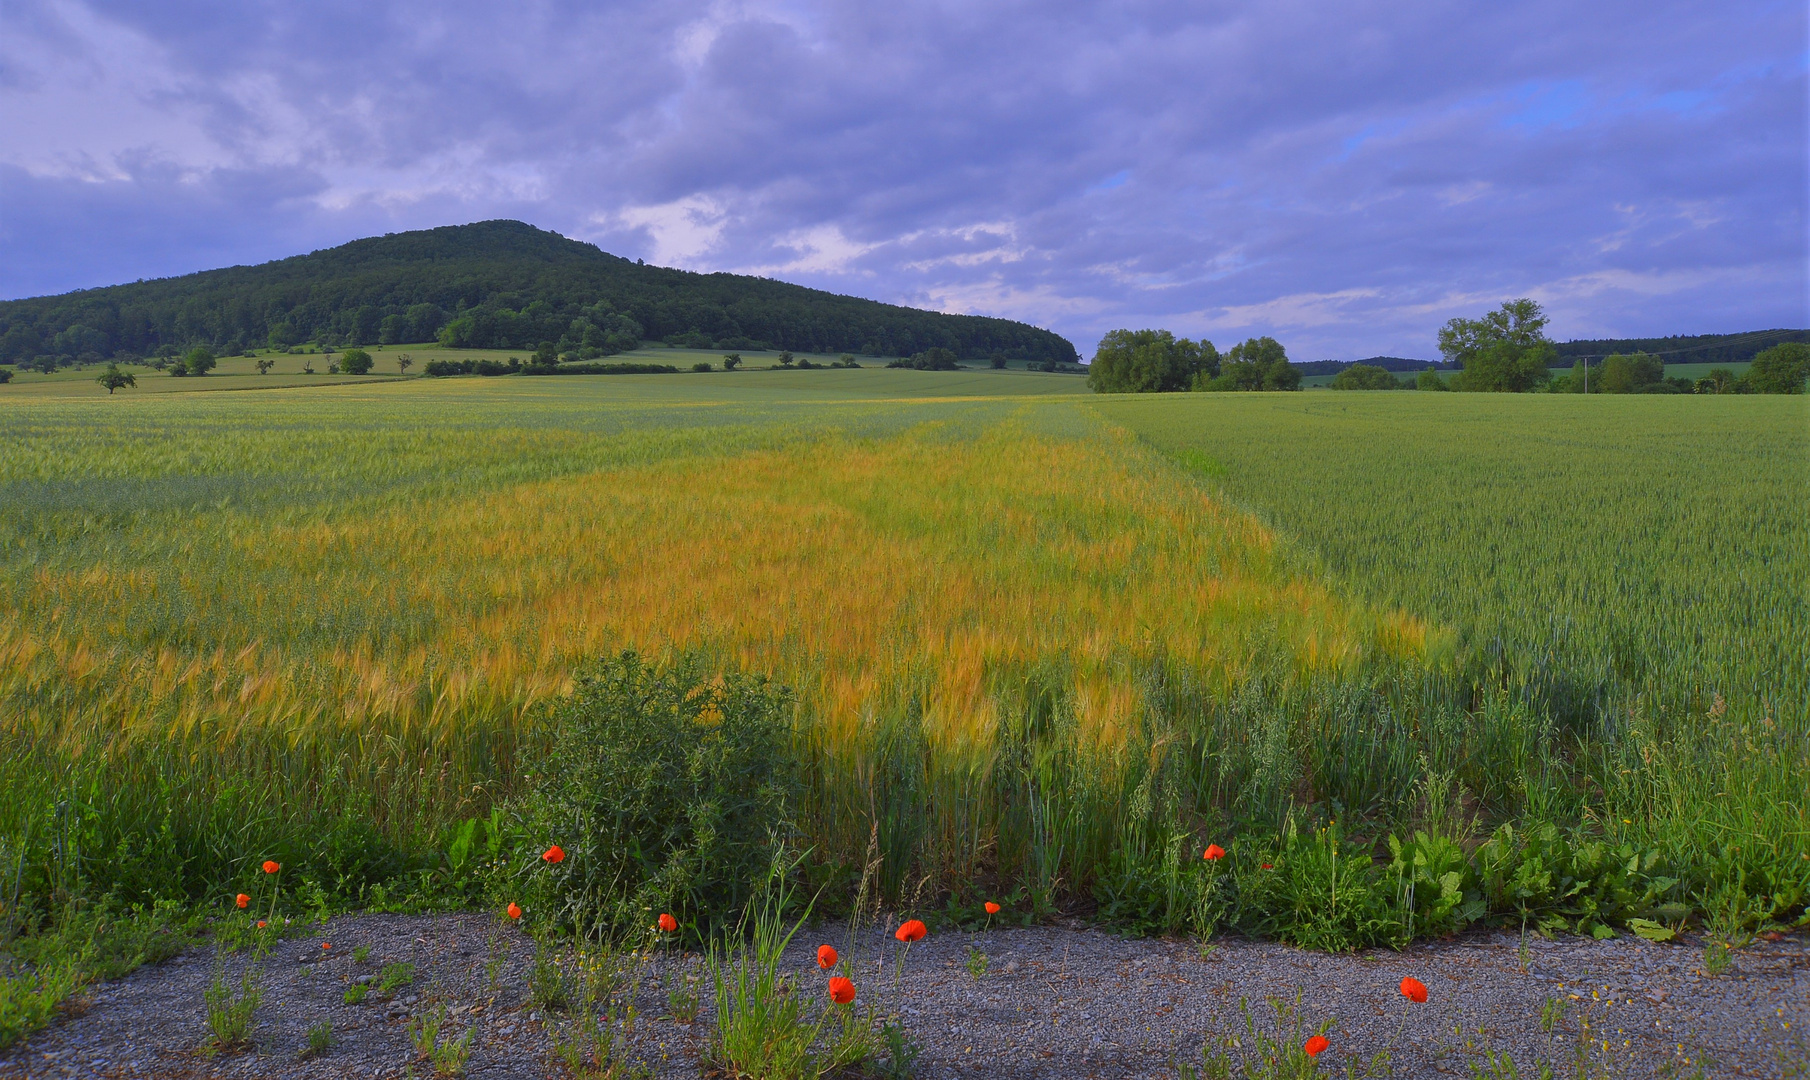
(243, 901)
(271, 866)
(1414, 990)
(514, 910)
(842, 991)
(992, 908)
(1214, 853)
(260, 924)
(1316, 1045)
(826, 956)
(668, 923)
(1267, 866)
(911, 930)
(326, 944)
(554, 854)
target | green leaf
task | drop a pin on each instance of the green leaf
(1651, 930)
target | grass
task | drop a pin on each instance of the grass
(1041, 641)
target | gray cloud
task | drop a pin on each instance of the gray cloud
(1344, 177)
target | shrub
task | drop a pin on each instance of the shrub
(1363, 377)
(703, 366)
(355, 362)
(198, 361)
(670, 786)
(935, 358)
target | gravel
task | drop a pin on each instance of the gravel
(1054, 1002)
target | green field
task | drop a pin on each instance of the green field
(1041, 641)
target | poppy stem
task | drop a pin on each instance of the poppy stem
(276, 888)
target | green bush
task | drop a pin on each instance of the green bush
(355, 362)
(669, 786)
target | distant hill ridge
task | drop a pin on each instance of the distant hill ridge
(502, 284)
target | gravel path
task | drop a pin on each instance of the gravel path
(1055, 1002)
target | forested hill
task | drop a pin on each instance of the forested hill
(1700, 349)
(499, 284)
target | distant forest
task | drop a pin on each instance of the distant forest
(1387, 363)
(494, 284)
(1701, 349)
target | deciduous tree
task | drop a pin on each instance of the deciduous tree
(1506, 350)
(113, 378)
(1781, 369)
(1150, 362)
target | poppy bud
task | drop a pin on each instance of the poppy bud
(826, 956)
(842, 991)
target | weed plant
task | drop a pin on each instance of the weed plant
(446, 1055)
(320, 1039)
(765, 1025)
(1277, 1050)
(394, 977)
(231, 1012)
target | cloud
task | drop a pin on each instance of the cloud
(1343, 177)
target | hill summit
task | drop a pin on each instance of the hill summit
(492, 284)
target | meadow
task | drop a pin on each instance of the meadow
(1043, 644)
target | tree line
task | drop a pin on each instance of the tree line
(1504, 351)
(1156, 361)
(494, 284)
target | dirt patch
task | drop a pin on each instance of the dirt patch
(1054, 1002)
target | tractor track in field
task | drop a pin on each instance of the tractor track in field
(1055, 1002)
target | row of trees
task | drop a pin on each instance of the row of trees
(1156, 361)
(1504, 351)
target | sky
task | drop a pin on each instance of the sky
(1344, 177)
